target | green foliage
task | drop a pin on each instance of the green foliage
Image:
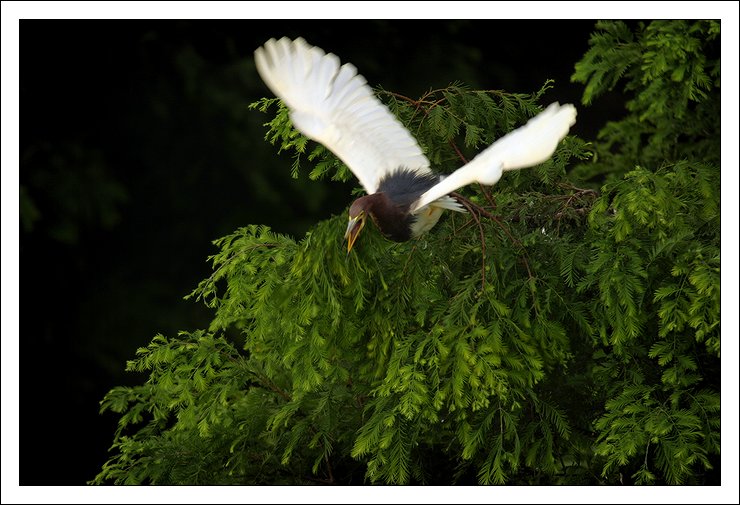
(553, 335)
(671, 72)
(654, 236)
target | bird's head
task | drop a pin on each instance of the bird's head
(358, 212)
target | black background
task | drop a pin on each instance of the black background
(137, 150)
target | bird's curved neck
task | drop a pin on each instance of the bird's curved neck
(374, 202)
(392, 220)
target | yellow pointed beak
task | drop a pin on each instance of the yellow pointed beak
(353, 231)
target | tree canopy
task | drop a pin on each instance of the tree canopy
(565, 331)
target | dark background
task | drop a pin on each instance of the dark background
(137, 150)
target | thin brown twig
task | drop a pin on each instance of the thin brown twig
(467, 223)
(481, 211)
(487, 194)
(328, 468)
(322, 481)
(457, 150)
(483, 189)
(416, 103)
(559, 215)
(402, 97)
(271, 385)
(408, 259)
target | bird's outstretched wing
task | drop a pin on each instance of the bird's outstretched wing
(524, 147)
(334, 105)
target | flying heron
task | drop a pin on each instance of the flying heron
(333, 104)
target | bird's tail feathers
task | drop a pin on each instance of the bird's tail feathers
(457, 179)
(449, 203)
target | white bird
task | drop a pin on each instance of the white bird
(332, 104)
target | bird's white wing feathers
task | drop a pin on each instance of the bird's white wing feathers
(334, 105)
(524, 147)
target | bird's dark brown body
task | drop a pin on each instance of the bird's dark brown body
(390, 206)
(393, 221)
